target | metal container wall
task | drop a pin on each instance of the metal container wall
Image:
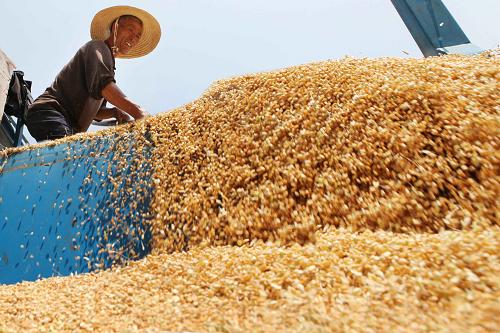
(73, 208)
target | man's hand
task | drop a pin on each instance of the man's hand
(144, 114)
(121, 116)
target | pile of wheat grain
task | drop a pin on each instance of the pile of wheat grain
(345, 282)
(391, 144)
(351, 195)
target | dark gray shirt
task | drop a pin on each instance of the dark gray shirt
(76, 90)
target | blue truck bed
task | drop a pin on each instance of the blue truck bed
(73, 208)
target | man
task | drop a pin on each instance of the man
(79, 92)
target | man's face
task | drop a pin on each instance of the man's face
(128, 35)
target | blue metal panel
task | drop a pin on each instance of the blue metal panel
(431, 25)
(73, 208)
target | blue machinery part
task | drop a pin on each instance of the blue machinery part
(434, 28)
(73, 208)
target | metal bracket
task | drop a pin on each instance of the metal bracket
(465, 49)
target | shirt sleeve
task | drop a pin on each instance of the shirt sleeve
(99, 68)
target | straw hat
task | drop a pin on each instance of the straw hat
(151, 31)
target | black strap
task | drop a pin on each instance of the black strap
(19, 96)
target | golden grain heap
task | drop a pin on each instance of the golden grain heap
(386, 144)
(350, 195)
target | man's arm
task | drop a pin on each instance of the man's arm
(119, 115)
(104, 113)
(115, 96)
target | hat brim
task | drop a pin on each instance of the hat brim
(151, 31)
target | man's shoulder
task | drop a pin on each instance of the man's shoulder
(96, 47)
(96, 50)
(95, 44)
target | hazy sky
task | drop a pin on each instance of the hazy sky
(207, 40)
